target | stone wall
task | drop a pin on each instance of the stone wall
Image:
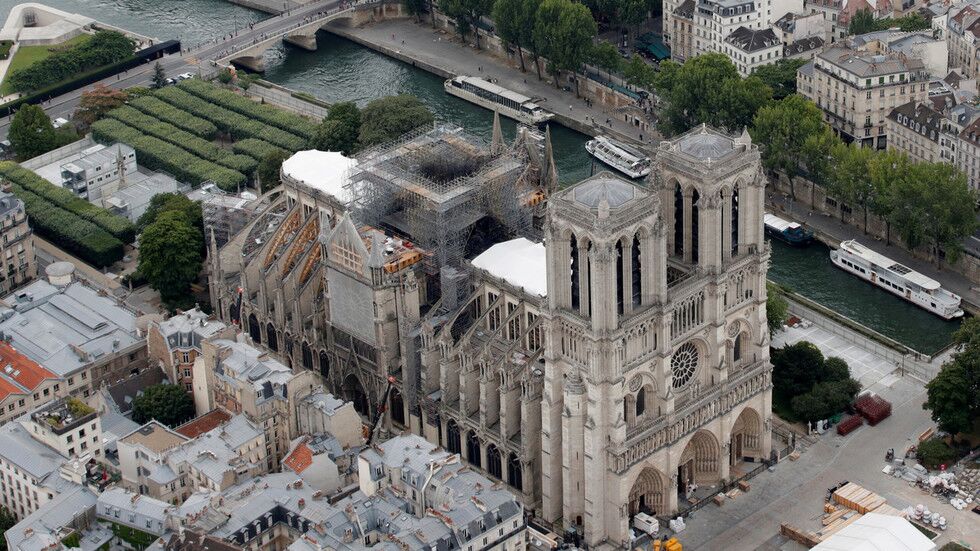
(809, 195)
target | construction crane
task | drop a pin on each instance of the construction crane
(379, 411)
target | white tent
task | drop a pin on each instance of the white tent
(875, 532)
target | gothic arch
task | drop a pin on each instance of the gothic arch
(746, 438)
(473, 447)
(397, 407)
(699, 462)
(324, 363)
(493, 462)
(270, 336)
(515, 473)
(353, 390)
(648, 493)
(453, 442)
(307, 354)
(254, 329)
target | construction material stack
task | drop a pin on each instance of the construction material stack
(872, 407)
(848, 425)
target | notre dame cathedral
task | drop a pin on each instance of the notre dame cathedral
(605, 353)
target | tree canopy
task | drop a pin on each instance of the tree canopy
(31, 132)
(815, 387)
(605, 56)
(783, 128)
(170, 256)
(467, 14)
(104, 48)
(514, 21)
(166, 403)
(638, 73)
(339, 130)
(780, 76)
(863, 21)
(563, 32)
(269, 169)
(776, 308)
(95, 103)
(708, 89)
(388, 118)
(953, 396)
(167, 202)
(160, 76)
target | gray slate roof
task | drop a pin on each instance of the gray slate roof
(752, 40)
(40, 529)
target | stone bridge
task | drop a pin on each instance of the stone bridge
(301, 31)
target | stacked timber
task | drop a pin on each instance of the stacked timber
(858, 498)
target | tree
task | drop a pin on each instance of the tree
(605, 56)
(339, 130)
(103, 48)
(825, 399)
(7, 521)
(270, 166)
(467, 14)
(796, 368)
(953, 396)
(166, 403)
(31, 132)
(863, 21)
(907, 207)
(935, 452)
(782, 129)
(564, 32)
(159, 76)
(528, 19)
(849, 179)
(913, 22)
(640, 74)
(170, 202)
(836, 369)
(815, 154)
(388, 118)
(170, 256)
(780, 76)
(415, 8)
(511, 20)
(950, 213)
(776, 308)
(95, 103)
(708, 89)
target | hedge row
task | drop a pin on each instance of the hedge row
(239, 126)
(290, 122)
(103, 48)
(67, 230)
(256, 149)
(120, 227)
(156, 154)
(242, 163)
(181, 119)
(167, 132)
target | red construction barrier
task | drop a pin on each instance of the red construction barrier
(872, 407)
(849, 424)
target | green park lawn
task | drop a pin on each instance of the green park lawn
(28, 55)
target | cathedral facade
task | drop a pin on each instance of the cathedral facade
(620, 366)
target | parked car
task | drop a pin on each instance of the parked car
(59, 122)
(185, 76)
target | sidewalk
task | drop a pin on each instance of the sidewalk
(836, 231)
(422, 43)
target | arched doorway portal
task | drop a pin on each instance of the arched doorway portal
(515, 475)
(453, 443)
(272, 341)
(254, 329)
(699, 464)
(307, 356)
(746, 436)
(354, 392)
(493, 462)
(324, 364)
(648, 493)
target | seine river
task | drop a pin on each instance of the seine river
(343, 71)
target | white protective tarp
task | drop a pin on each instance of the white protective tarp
(520, 262)
(875, 532)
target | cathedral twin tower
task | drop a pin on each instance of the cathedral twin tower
(657, 383)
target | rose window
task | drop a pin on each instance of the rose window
(684, 364)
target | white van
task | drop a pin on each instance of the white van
(646, 523)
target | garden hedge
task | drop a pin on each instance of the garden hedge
(181, 119)
(157, 154)
(104, 48)
(290, 122)
(256, 149)
(120, 227)
(67, 230)
(235, 124)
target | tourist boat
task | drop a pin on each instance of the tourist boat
(624, 158)
(897, 279)
(497, 98)
(784, 230)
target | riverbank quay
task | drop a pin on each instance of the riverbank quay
(438, 52)
(274, 7)
(832, 231)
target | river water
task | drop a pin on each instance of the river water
(343, 71)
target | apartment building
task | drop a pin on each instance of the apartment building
(857, 90)
(18, 264)
(166, 465)
(750, 49)
(24, 385)
(69, 513)
(968, 153)
(175, 343)
(682, 23)
(963, 38)
(243, 379)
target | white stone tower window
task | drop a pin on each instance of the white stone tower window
(684, 364)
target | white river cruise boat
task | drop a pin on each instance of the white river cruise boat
(896, 278)
(497, 98)
(624, 158)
